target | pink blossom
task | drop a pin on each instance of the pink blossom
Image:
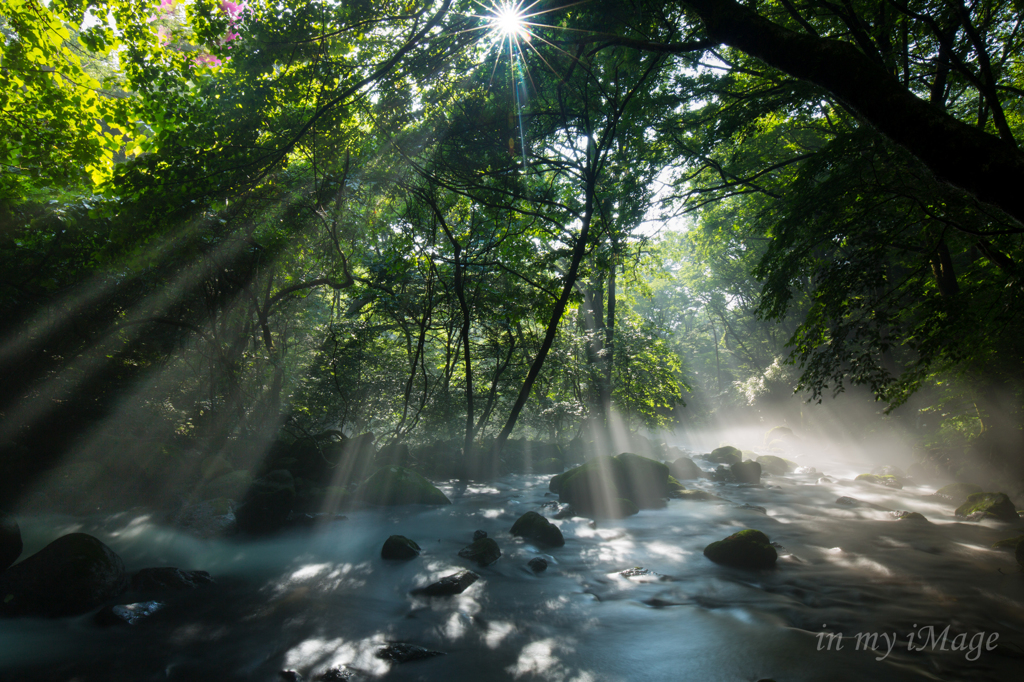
(167, 6)
(206, 59)
(232, 9)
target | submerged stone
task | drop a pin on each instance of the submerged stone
(457, 583)
(909, 516)
(726, 454)
(10, 540)
(537, 565)
(988, 505)
(748, 549)
(484, 552)
(400, 652)
(399, 548)
(127, 614)
(73, 574)
(395, 485)
(533, 526)
(168, 578)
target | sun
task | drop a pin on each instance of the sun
(509, 20)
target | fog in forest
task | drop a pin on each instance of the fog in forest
(459, 339)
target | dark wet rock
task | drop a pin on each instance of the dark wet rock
(456, 583)
(399, 548)
(988, 505)
(290, 675)
(776, 466)
(10, 540)
(957, 493)
(723, 474)
(565, 512)
(479, 535)
(826, 479)
(901, 515)
(854, 502)
(726, 454)
(1019, 554)
(168, 578)
(127, 614)
(695, 495)
(533, 526)
(537, 565)
(685, 469)
(73, 574)
(888, 481)
(267, 504)
(336, 674)
(746, 472)
(395, 485)
(1009, 543)
(483, 552)
(207, 519)
(596, 487)
(754, 508)
(641, 572)
(400, 652)
(746, 549)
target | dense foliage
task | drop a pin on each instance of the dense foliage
(231, 222)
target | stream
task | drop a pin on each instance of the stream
(321, 599)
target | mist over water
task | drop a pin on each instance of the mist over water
(320, 599)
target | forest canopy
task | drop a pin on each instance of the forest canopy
(460, 221)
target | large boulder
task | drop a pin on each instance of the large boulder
(168, 579)
(457, 583)
(73, 574)
(393, 485)
(267, 503)
(596, 487)
(988, 505)
(746, 549)
(685, 469)
(776, 466)
(10, 540)
(726, 454)
(746, 472)
(533, 526)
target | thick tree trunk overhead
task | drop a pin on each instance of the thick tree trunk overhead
(964, 156)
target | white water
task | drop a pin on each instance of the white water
(313, 600)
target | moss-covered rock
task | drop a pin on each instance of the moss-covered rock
(776, 466)
(780, 433)
(746, 549)
(399, 548)
(674, 485)
(1009, 543)
(73, 574)
(909, 516)
(888, 481)
(484, 551)
(393, 485)
(726, 454)
(10, 540)
(533, 526)
(685, 469)
(746, 472)
(988, 505)
(957, 493)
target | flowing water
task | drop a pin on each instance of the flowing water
(324, 598)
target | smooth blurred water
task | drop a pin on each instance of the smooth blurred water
(310, 601)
